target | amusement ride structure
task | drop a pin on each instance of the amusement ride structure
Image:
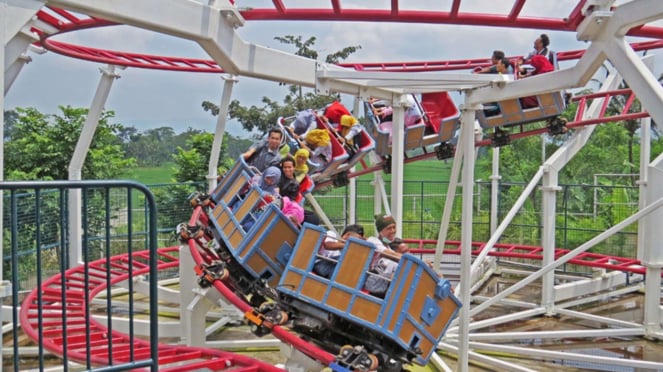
(603, 24)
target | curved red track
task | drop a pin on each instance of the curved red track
(65, 320)
(64, 21)
(74, 305)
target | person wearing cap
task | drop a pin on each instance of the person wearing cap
(330, 250)
(385, 260)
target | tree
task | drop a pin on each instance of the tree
(264, 117)
(41, 146)
(11, 117)
(191, 164)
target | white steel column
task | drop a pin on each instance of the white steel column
(397, 156)
(638, 76)
(352, 186)
(5, 286)
(562, 156)
(645, 154)
(449, 201)
(549, 209)
(652, 254)
(378, 186)
(495, 190)
(212, 171)
(467, 144)
(193, 309)
(108, 76)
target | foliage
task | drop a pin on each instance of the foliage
(191, 165)
(11, 117)
(41, 146)
(263, 117)
(153, 147)
(173, 204)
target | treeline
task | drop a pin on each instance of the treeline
(40, 146)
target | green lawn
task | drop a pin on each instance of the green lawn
(150, 175)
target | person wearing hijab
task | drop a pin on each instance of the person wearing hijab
(301, 166)
(269, 181)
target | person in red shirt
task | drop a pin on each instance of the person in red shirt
(335, 111)
(541, 65)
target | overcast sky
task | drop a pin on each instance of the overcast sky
(149, 99)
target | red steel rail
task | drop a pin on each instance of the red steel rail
(64, 322)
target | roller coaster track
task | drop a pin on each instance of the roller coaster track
(54, 21)
(63, 302)
(627, 112)
(67, 323)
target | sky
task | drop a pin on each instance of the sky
(148, 99)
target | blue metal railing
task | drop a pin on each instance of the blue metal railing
(46, 204)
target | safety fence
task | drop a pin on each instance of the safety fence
(583, 211)
(40, 241)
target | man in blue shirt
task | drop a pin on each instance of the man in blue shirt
(266, 153)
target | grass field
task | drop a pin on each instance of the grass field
(150, 175)
(425, 170)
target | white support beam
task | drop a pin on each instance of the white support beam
(654, 206)
(635, 13)
(643, 181)
(638, 76)
(588, 286)
(17, 13)
(397, 156)
(565, 355)
(556, 161)
(320, 212)
(454, 176)
(108, 76)
(468, 113)
(549, 189)
(212, 170)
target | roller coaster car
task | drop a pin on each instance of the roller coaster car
(344, 156)
(255, 256)
(511, 112)
(403, 327)
(437, 124)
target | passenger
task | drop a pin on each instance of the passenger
(334, 112)
(502, 66)
(399, 246)
(301, 166)
(385, 261)
(318, 144)
(540, 65)
(541, 48)
(412, 116)
(288, 173)
(330, 250)
(348, 129)
(292, 209)
(265, 153)
(497, 56)
(269, 180)
(304, 122)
